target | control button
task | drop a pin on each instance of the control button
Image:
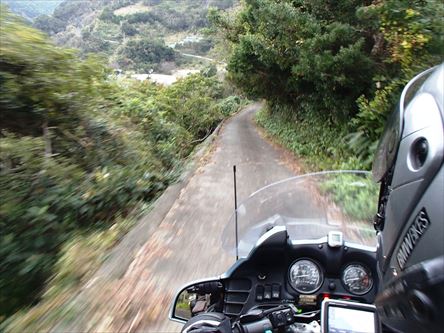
(278, 318)
(276, 291)
(288, 316)
(332, 286)
(259, 293)
(267, 292)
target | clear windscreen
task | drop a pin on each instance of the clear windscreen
(309, 207)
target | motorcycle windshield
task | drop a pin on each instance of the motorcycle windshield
(309, 206)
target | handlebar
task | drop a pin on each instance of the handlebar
(258, 321)
(261, 326)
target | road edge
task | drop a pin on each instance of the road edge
(120, 257)
(122, 254)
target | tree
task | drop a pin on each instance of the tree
(300, 53)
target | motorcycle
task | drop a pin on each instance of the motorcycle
(305, 252)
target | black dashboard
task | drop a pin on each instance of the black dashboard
(300, 274)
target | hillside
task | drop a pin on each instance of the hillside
(133, 34)
(31, 9)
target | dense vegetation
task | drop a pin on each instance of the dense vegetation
(80, 152)
(331, 71)
(145, 54)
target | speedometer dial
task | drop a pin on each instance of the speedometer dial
(305, 276)
(357, 279)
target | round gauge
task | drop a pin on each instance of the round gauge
(305, 276)
(357, 279)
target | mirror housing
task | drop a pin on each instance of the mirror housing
(195, 298)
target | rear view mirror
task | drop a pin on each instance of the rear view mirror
(196, 298)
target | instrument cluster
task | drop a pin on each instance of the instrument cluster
(301, 274)
(306, 277)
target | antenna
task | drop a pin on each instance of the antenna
(235, 210)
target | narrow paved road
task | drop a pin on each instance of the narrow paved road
(201, 57)
(192, 230)
(187, 244)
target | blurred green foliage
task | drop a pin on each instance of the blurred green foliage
(79, 149)
(356, 195)
(409, 38)
(331, 71)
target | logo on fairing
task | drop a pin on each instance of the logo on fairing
(411, 238)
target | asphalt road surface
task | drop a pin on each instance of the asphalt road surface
(187, 243)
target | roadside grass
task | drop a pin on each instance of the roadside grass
(319, 146)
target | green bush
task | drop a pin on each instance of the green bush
(229, 105)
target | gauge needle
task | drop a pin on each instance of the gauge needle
(355, 279)
(303, 275)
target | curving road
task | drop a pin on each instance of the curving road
(187, 243)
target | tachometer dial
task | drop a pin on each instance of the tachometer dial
(305, 276)
(357, 279)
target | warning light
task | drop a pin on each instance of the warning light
(346, 297)
(326, 296)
